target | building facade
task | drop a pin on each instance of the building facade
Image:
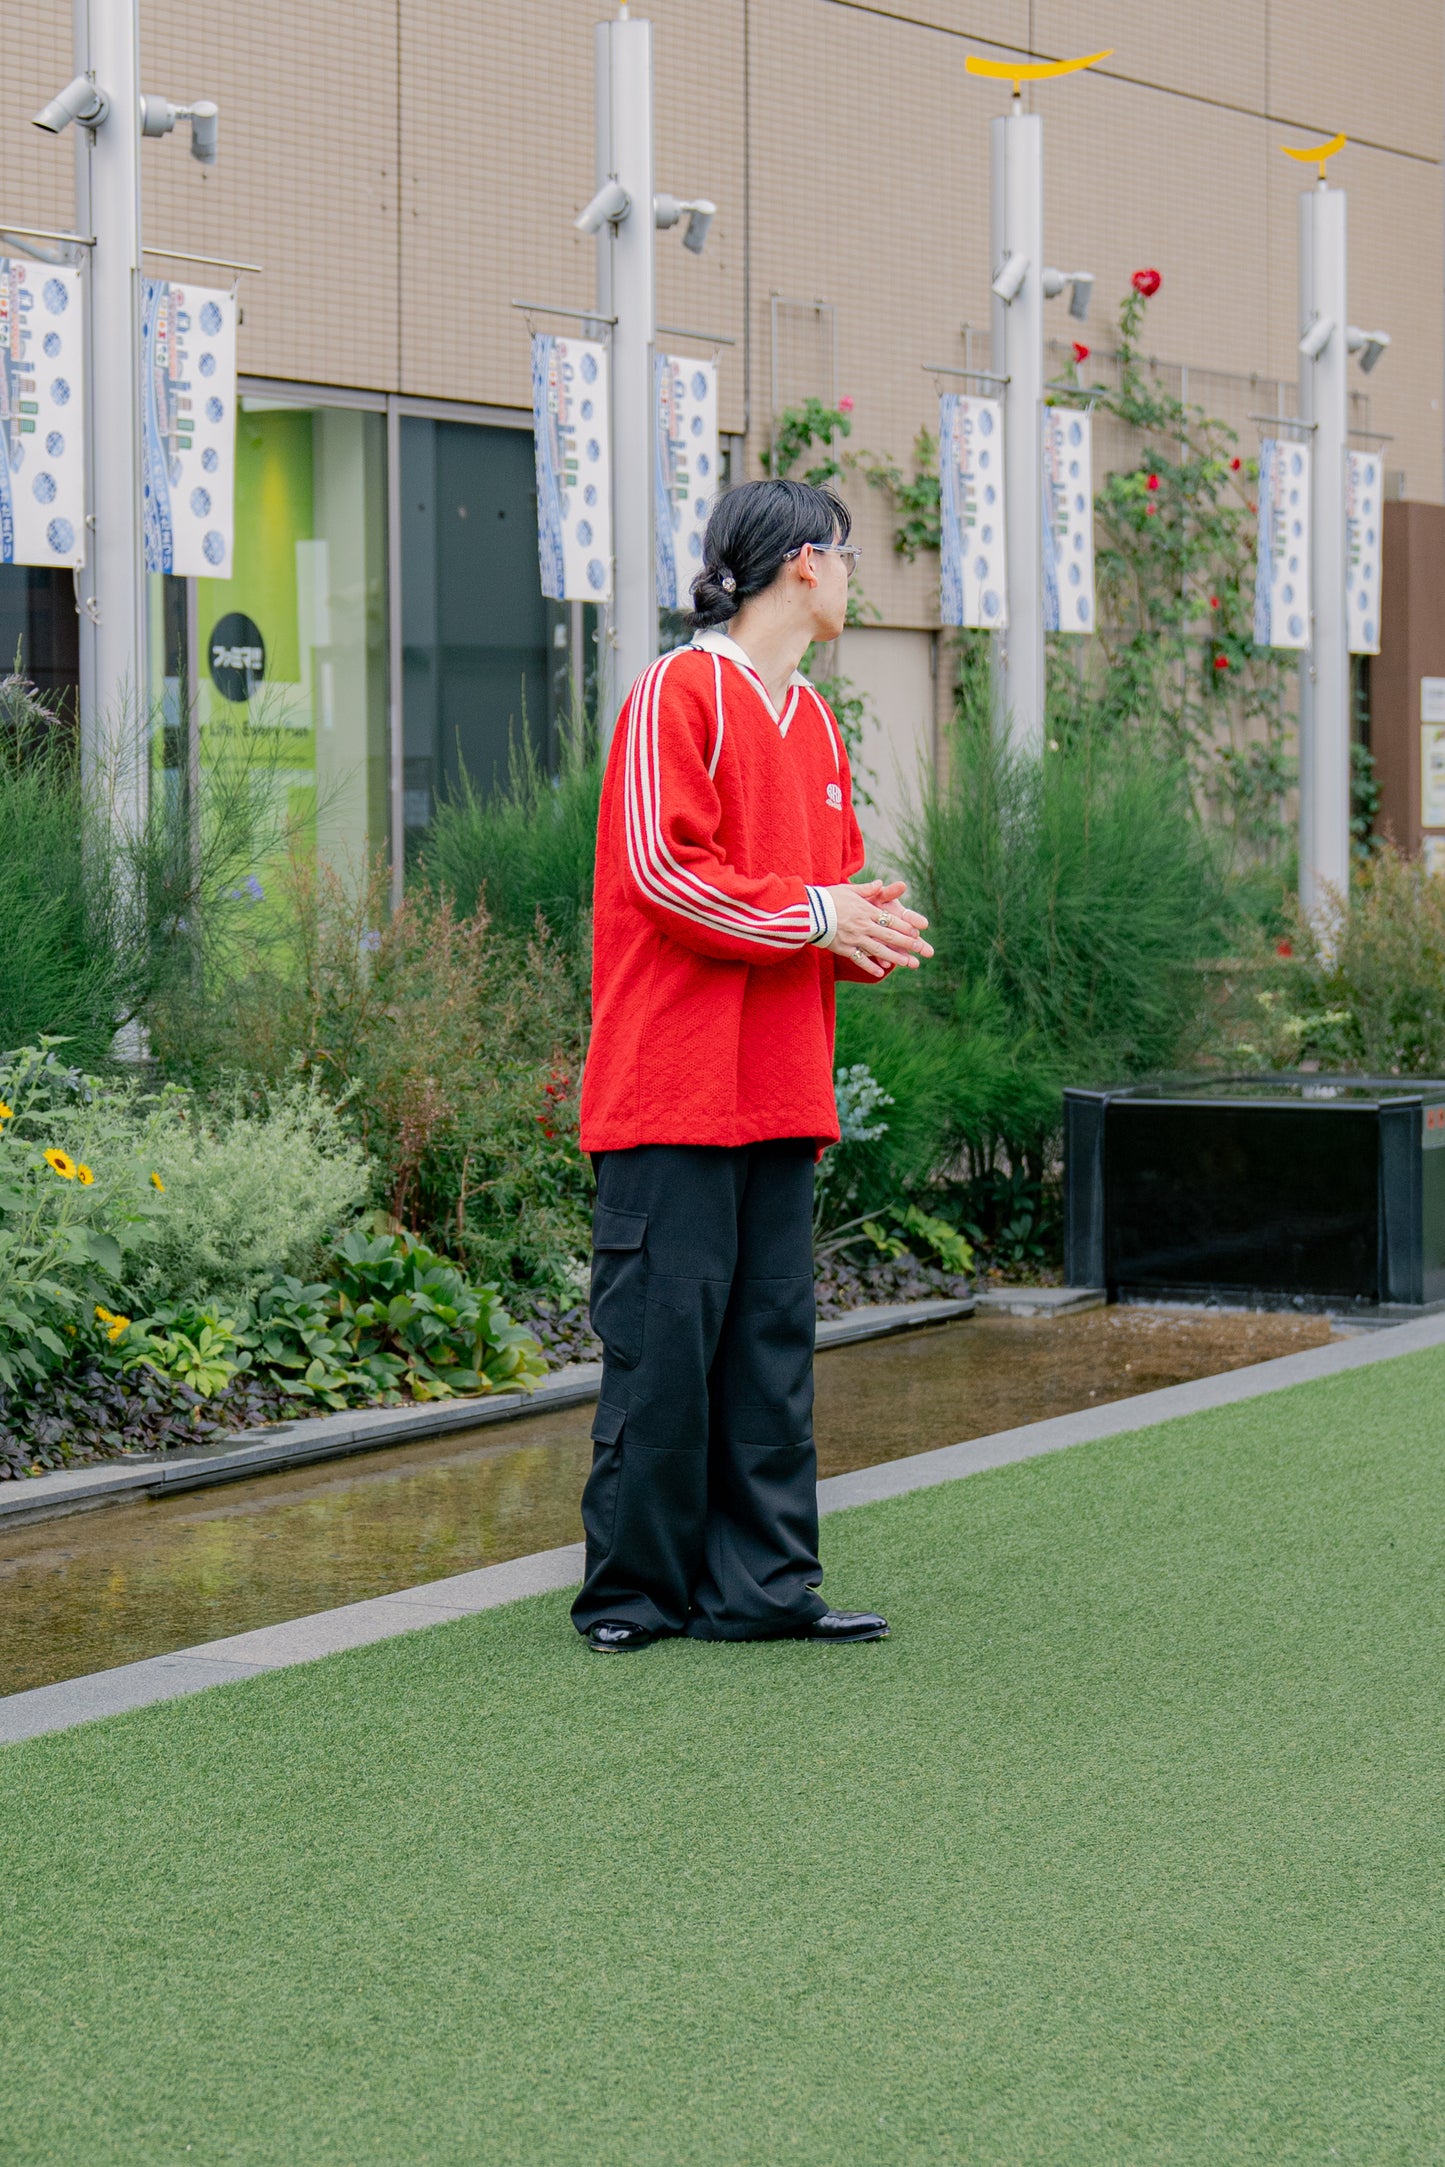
(405, 171)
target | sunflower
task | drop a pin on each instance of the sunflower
(61, 1163)
(7, 1113)
(114, 1323)
(157, 1183)
(84, 1176)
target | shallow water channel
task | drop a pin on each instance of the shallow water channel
(147, 1576)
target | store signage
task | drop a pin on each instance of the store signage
(571, 423)
(1363, 477)
(188, 428)
(42, 400)
(1068, 524)
(1282, 562)
(237, 656)
(974, 589)
(684, 472)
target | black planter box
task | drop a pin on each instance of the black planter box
(1316, 1192)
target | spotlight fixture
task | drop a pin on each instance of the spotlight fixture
(608, 207)
(667, 210)
(1369, 345)
(1317, 338)
(1009, 282)
(82, 100)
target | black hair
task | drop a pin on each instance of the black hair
(753, 529)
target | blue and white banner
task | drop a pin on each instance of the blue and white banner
(1282, 562)
(1068, 469)
(188, 428)
(1364, 478)
(42, 401)
(684, 471)
(571, 422)
(970, 474)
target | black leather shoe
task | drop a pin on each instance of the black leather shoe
(845, 1625)
(611, 1637)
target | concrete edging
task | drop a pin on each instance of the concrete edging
(368, 1429)
(355, 1625)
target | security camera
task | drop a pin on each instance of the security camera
(700, 216)
(1317, 338)
(1079, 283)
(1010, 279)
(608, 207)
(81, 100)
(205, 130)
(1369, 345)
(667, 210)
(158, 116)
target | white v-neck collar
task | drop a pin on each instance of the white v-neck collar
(716, 642)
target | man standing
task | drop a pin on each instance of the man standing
(724, 914)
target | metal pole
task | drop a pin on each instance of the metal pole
(1324, 725)
(1017, 159)
(626, 290)
(114, 687)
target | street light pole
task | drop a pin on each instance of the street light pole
(1017, 232)
(1324, 724)
(113, 687)
(626, 291)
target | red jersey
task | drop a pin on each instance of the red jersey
(722, 823)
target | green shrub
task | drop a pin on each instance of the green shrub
(1364, 989)
(528, 849)
(455, 1054)
(1080, 894)
(255, 1184)
(414, 1320)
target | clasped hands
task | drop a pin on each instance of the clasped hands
(874, 930)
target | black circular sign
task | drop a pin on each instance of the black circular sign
(237, 655)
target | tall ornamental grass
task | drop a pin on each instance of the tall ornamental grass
(1073, 898)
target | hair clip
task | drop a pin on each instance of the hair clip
(727, 583)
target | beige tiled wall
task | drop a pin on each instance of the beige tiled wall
(442, 147)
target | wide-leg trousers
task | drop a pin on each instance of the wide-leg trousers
(701, 1510)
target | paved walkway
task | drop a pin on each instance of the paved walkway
(354, 1625)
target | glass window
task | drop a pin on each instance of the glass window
(295, 640)
(38, 625)
(485, 656)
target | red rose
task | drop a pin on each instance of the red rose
(1221, 662)
(1081, 351)
(845, 404)
(1284, 948)
(1153, 482)
(1146, 282)
(1235, 465)
(1214, 601)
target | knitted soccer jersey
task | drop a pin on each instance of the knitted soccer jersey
(721, 823)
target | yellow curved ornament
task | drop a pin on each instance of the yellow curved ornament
(1316, 152)
(1029, 71)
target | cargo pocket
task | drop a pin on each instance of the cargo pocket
(599, 1498)
(619, 1282)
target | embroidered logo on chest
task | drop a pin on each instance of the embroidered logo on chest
(835, 796)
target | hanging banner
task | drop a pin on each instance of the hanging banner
(685, 471)
(970, 474)
(42, 400)
(1282, 562)
(188, 428)
(571, 430)
(1364, 475)
(1068, 469)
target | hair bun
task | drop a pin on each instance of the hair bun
(714, 597)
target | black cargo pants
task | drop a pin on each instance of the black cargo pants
(701, 1510)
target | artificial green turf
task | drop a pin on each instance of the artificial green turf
(1126, 1848)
